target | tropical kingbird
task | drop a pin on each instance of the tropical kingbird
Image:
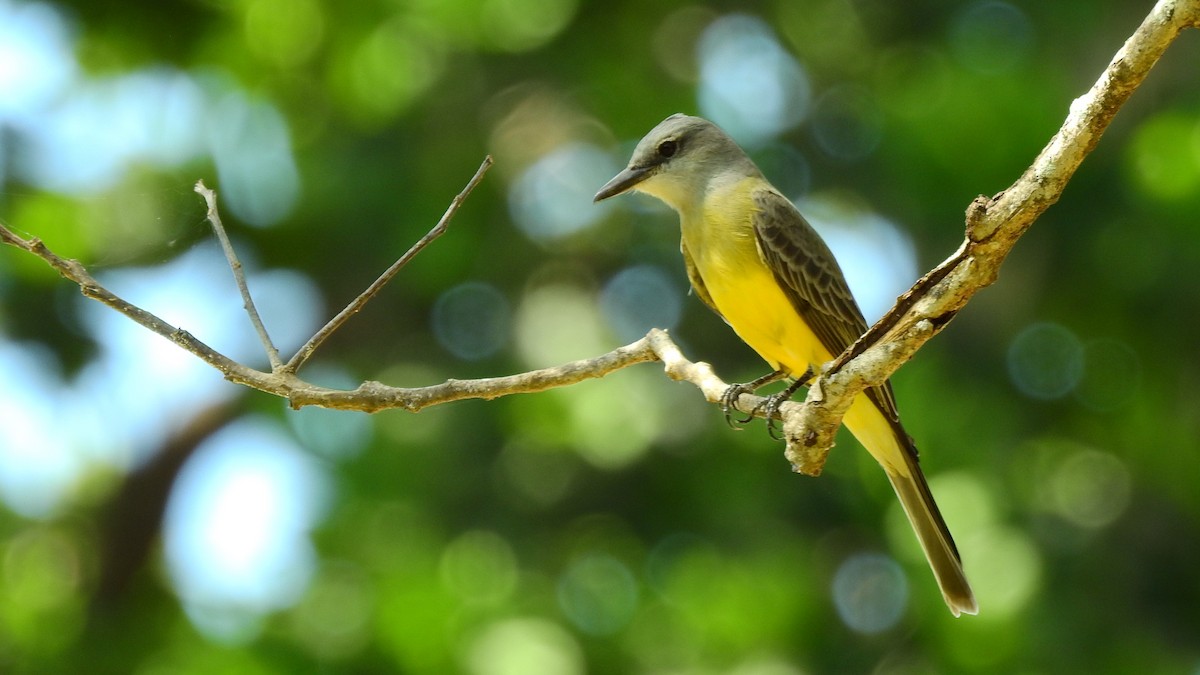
(760, 266)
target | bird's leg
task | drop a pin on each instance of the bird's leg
(770, 405)
(733, 391)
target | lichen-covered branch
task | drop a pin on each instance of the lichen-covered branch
(993, 227)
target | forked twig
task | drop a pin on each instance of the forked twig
(239, 277)
(302, 355)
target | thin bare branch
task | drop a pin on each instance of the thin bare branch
(302, 355)
(73, 271)
(239, 276)
(374, 396)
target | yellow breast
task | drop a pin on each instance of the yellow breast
(720, 237)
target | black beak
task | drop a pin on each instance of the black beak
(623, 182)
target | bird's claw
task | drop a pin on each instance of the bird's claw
(769, 406)
(729, 404)
(770, 410)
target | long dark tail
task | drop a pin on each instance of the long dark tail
(883, 436)
(931, 530)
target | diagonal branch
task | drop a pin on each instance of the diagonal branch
(73, 271)
(239, 276)
(358, 303)
(993, 228)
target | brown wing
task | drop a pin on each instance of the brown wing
(809, 274)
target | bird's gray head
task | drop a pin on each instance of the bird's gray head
(678, 159)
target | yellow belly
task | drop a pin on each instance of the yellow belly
(763, 317)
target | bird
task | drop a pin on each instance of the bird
(755, 261)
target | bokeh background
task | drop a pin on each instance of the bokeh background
(156, 519)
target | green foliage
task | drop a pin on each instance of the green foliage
(618, 526)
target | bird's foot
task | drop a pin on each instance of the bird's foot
(729, 399)
(769, 406)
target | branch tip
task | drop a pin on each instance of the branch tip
(310, 347)
(239, 276)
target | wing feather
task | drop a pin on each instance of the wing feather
(805, 268)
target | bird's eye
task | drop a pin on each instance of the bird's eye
(667, 149)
